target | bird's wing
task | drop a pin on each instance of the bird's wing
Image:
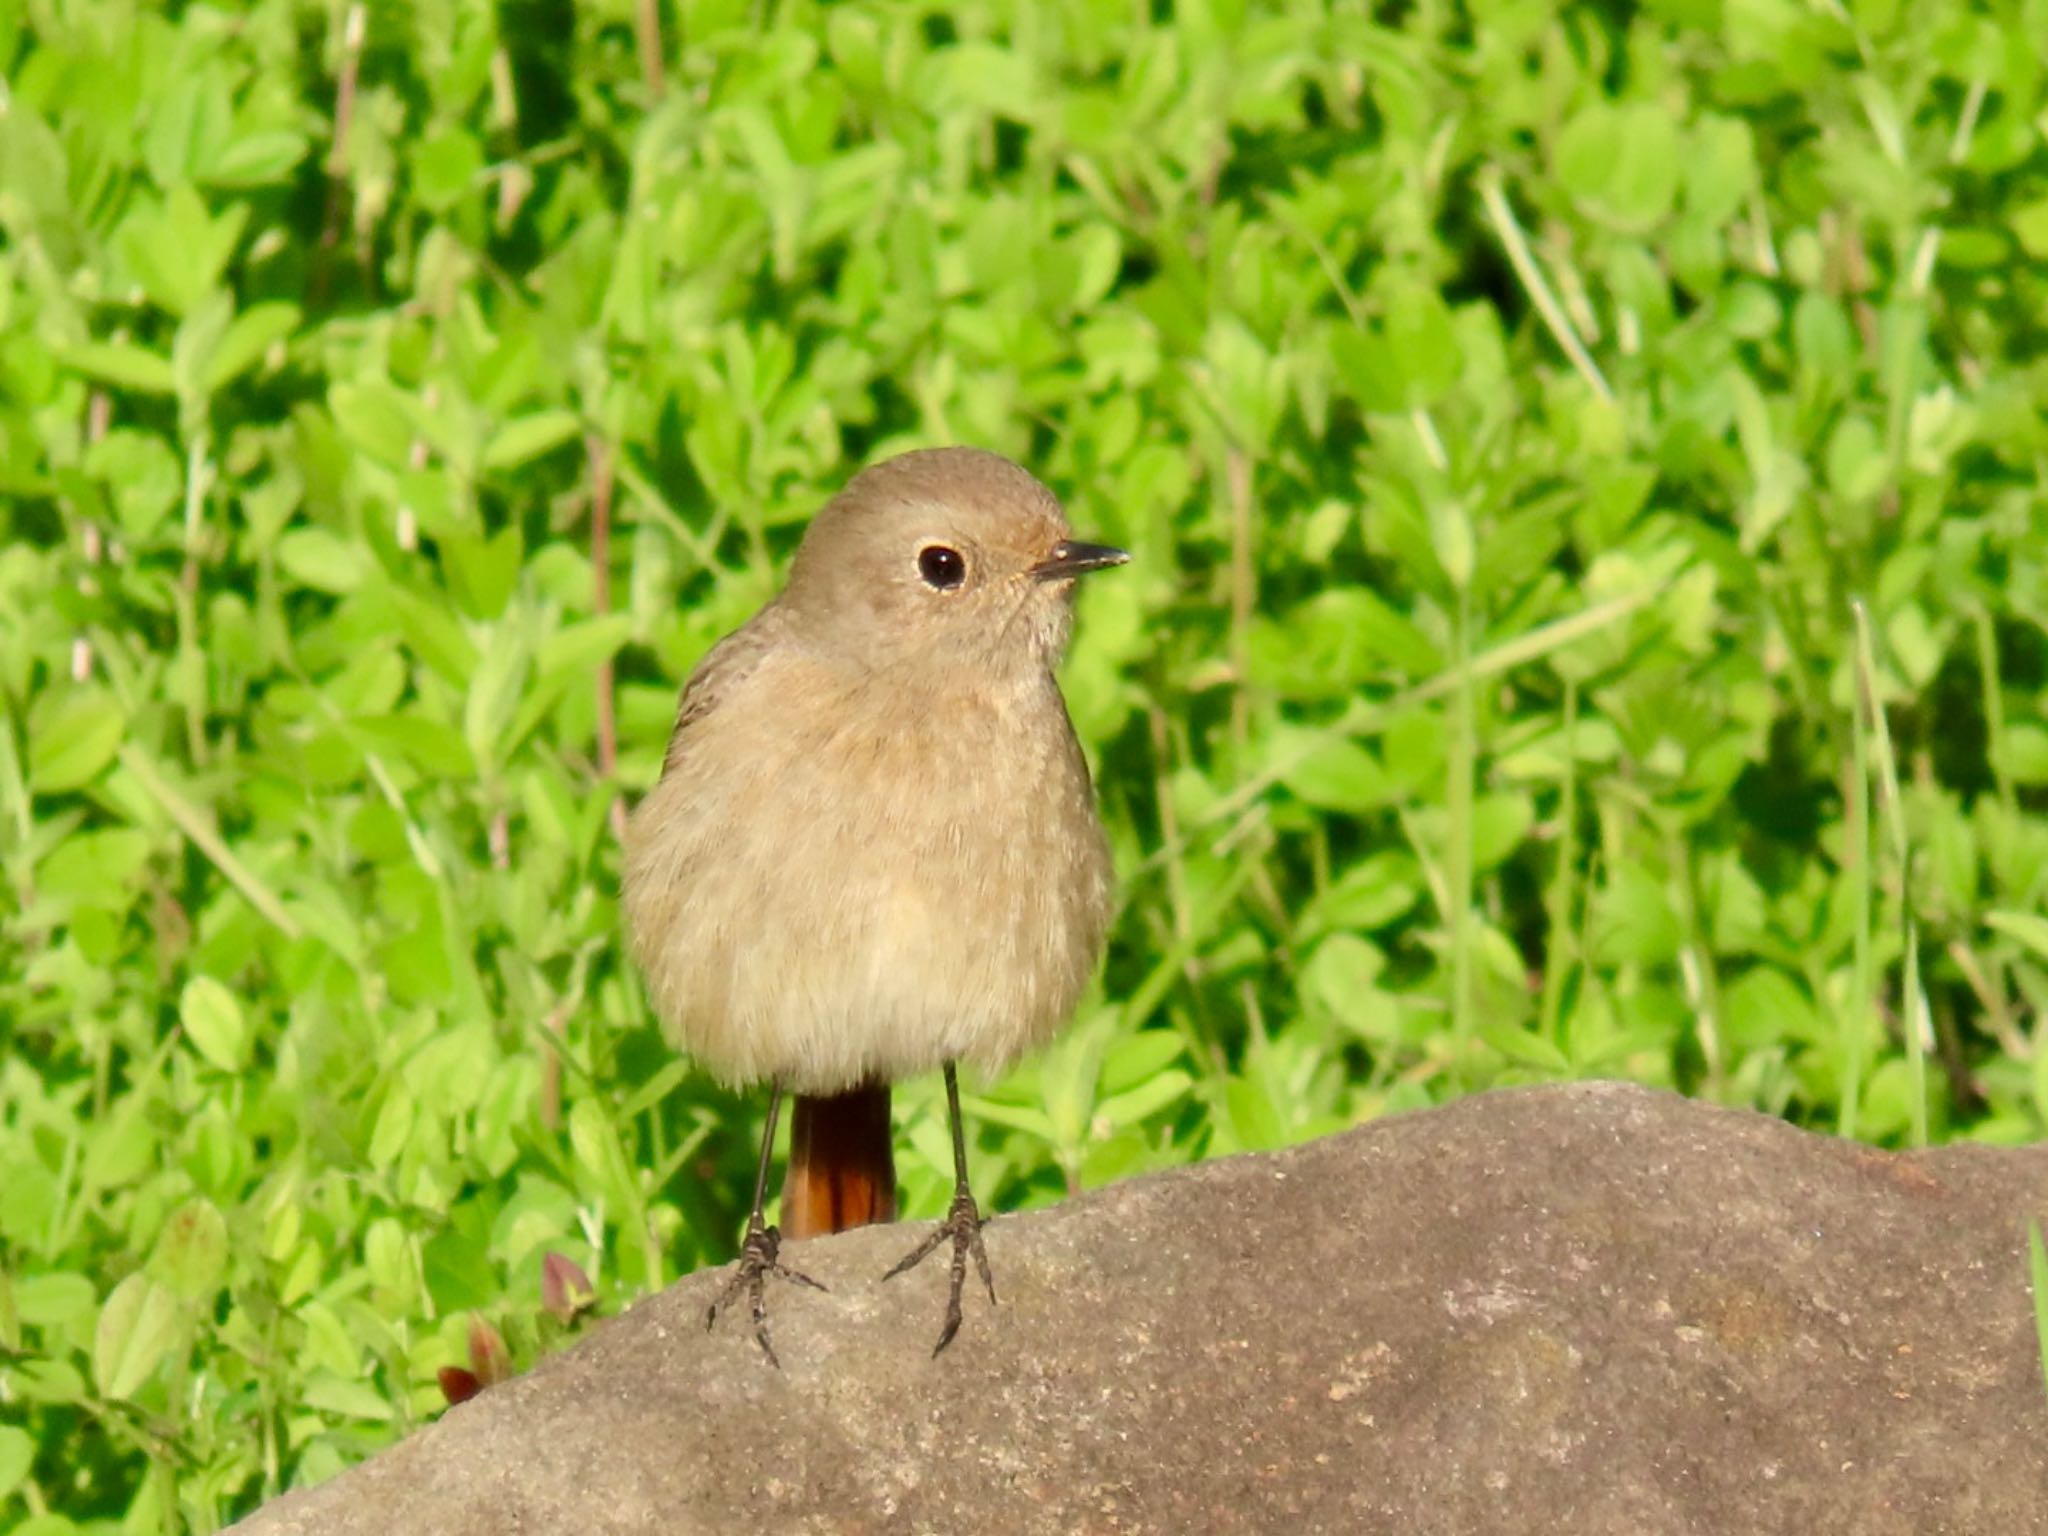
(724, 668)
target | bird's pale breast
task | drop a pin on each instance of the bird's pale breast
(872, 886)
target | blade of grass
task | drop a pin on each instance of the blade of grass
(193, 823)
(1856, 871)
(1244, 594)
(1919, 1034)
(1913, 1004)
(1880, 736)
(2037, 1267)
(190, 667)
(601, 460)
(1562, 896)
(1523, 260)
(1460, 767)
(1994, 709)
(1697, 971)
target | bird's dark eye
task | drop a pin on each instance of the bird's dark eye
(941, 567)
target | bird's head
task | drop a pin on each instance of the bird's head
(946, 556)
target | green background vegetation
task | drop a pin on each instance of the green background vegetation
(1507, 404)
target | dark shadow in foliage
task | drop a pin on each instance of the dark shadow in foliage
(540, 42)
(1779, 800)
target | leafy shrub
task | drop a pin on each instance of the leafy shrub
(1506, 405)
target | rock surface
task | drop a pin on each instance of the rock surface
(1590, 1309)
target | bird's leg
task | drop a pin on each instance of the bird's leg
(761, 1249)
(962, 1225)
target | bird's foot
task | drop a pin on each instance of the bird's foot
(963, 1225)
(759, 1258)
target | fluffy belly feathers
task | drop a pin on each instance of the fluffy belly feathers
(835, 916)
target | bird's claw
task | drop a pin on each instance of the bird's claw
(962, 1224)
(760, 1257)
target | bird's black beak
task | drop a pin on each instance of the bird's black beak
(1071, 557)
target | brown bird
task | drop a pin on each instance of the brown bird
(874, 849)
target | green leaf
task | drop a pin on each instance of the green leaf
(1371, 370)
(576, 650)
(1336, 640)
(566, 660)
(1720, 169)
(323, 560)
(70, 743)
(1764, 1006)
(376, 418)
(17, 1455)
(192, 351)
(123, 364)
(192, 1254)
(2024, 754)
(1342, 978)
(1328, 770)
(137, 1329)
(981, 77)
(1499, 824)
(123, 1146)
(1526, 1048)
(328, 1393)
(596, 1143)
(445, 169)
(388, 1258)
(2030, 224)
(528, 437)
(483, 571)
(1633, 922)
(1068, 1076)
(189, 123)
(253, 332)
(1450, 535)
(494, 694)
(655, 1089)
(143, 478)
(1623, 162)
(393, 1129)
(34, 188)
(54, 1301)
(213, 1021)
(258, 158)
(1424, 337)
(434, 634)
(435, 749)
(2030, 928)
(1147, 1099)
(179, 250)
(1370, 894)
(1138, 1058)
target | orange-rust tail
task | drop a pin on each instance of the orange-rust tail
(842, 1170)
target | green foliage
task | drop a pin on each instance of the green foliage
(1506, 406)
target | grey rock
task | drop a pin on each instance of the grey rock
(1589, 1309)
